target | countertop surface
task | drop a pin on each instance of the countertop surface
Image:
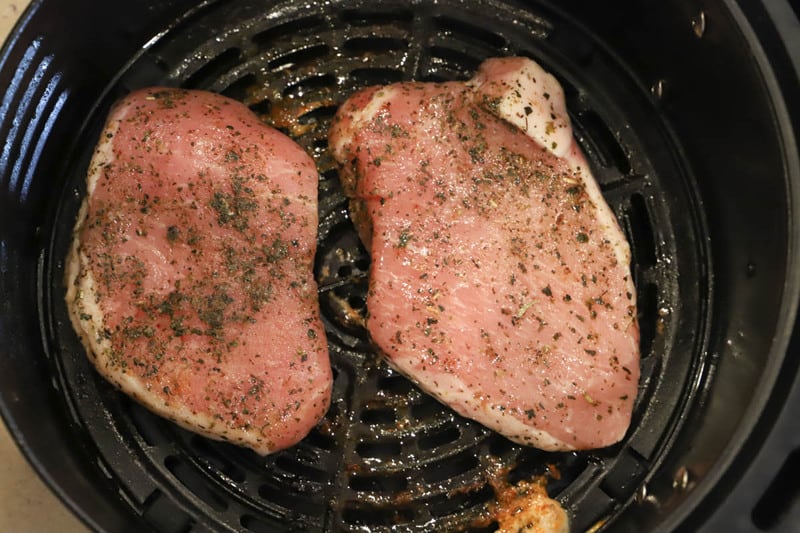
(26, 504)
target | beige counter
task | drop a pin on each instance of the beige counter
(26, 504)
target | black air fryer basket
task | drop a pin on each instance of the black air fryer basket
(687, 112)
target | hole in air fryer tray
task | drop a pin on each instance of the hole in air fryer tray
(387, 455)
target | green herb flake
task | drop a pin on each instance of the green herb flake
(403, 239)
(172, 233)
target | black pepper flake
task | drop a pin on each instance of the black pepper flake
(581, 237)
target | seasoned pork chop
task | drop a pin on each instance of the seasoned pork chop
(500, 279)
(190, 277)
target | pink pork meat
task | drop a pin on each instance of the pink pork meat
(500, 280)
(190, 276)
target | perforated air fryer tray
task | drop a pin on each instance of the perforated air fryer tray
(387, 456)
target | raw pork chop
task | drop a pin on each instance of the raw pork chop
(500, 280)
(190, 277)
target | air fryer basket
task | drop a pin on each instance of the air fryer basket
(679, 110)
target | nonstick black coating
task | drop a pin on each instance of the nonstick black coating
(679, 173)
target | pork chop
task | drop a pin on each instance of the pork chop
(500, 279)
(190, 276)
